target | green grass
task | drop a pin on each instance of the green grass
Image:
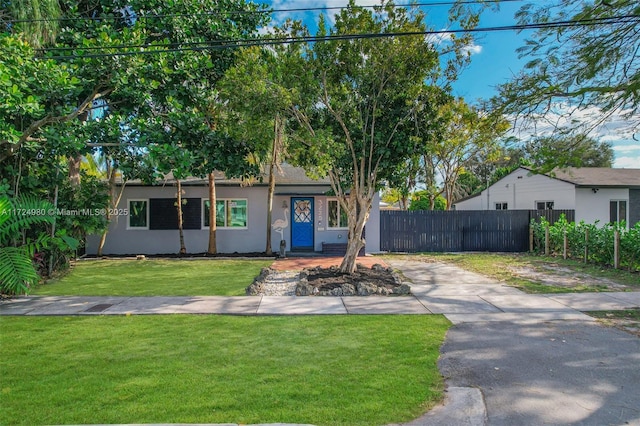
(496, 265)
(625, 314)
(324, 370)
(175, 277)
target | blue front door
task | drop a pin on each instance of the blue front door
(301, 223)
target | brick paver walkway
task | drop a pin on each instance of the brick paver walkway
(298, 263)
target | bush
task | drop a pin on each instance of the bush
(20, 240)
(599, 245)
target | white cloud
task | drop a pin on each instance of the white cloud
(445, 37)
(310, 16)
(266, 30)
(474, 49)
(439, 38)
(627, 148)
(627, 162)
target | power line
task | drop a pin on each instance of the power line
(253, 12)
(238, 43)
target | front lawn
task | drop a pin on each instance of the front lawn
(324, 370)
(155, 277)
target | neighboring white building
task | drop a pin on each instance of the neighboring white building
(595, 193)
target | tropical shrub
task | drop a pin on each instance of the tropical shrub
(21, 238)
(597, 240)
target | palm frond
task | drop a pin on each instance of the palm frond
(17, 274)
(22, 213)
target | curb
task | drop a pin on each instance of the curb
(462, 406)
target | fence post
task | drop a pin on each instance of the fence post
(586, 245)
(616, 249)
(546, 240)
(565, 245)
(530, 238)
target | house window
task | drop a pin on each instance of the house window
(138, 214)
(230, 213)
(617, 210)
(544, 205)
(501, 206)
(337, 215)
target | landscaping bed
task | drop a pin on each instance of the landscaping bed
(377, 280)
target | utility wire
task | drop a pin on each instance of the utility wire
(238, 43)
(252, 12)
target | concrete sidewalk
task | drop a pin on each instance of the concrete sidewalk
(460, 304)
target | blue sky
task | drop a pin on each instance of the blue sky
(494, 61)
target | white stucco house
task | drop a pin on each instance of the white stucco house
(595, 193)
(303, 215)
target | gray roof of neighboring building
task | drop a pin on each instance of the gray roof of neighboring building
(598, 176)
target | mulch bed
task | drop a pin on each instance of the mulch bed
(330, 278)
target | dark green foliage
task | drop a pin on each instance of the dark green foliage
(546, 153)
(20, 240)
(422, 201)
(84, 102)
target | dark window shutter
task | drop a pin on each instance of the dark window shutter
(163, 213)
(192, 214)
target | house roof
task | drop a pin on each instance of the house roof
(584, 176)
(287, 175)
(598, 176)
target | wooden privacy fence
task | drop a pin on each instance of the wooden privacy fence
(456, 231)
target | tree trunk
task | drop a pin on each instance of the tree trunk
(212, 249)
(113, 203)
(183, 249)
(53, 230)
(74, 170)
(404, 202)
(358, 215)
(277, 139)
(272, 186)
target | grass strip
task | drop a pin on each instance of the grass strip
(155, 277)
(324, 370)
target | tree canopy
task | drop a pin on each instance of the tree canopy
(120, 81)
(547, 153)
(591, 61)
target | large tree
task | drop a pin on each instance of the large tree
(142, 62)
(589, 61)
(548, 152)
(360, 122)
(467, 133)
